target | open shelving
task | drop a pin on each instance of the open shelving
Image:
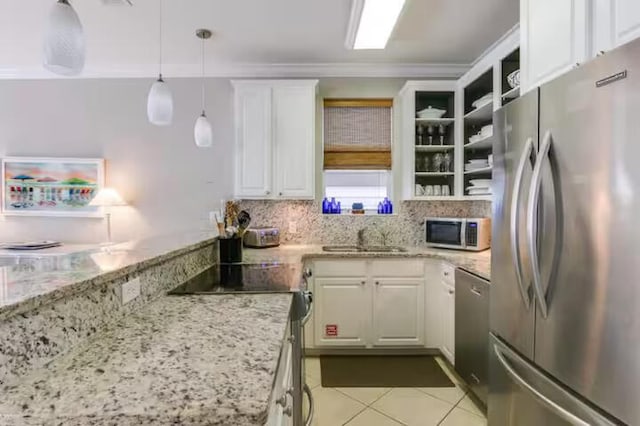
(509, 64)
(484, 143)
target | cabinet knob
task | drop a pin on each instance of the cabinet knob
(362, 282)
(451, 291)
(282, 401)
(287, 412)
(291, 338)
(280, 194)
(446, 274)
(267, 192)
(377, 282)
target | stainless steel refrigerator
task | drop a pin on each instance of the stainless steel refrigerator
(565, 288)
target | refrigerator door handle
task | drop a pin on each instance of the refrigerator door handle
(532, 208)
(515, 203)
(562, 412)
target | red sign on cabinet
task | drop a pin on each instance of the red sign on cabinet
(331, 330)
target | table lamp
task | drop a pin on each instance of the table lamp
(107, 197)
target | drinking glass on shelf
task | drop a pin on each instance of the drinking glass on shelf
(446, 190)
(446, 162)
(426, 163)
(437, 190)
(441, 133)
(419, 163)
(437, 162)
(428, 190)
(420, 133)
(430, 132)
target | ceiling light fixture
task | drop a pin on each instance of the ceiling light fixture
(202, 132)
(64, 45)
(160, 100)
(372, 22)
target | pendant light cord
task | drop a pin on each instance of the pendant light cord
(203, 76)
(160, 38)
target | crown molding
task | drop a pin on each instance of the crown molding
(311, 70)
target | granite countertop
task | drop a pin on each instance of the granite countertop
(28, 281)
(189, 360)
(478, 263)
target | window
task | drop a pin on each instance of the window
(358, 186)
(357, 151)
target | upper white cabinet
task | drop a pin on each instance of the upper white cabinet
(615, 22)
(554, 38)
(275, 138)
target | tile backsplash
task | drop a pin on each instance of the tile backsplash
(312, 227)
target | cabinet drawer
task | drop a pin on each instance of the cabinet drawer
(397, 268)
(340, 268)
(448, 273)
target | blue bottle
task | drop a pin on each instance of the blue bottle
(390, 207)
(380, 208)
(385, 205)
(339, 210)
(333, 208)
(325, 206)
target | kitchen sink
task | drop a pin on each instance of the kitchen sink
(364, 249)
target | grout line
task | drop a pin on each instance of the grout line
(355, 415)
(387, 416)
(464, 393)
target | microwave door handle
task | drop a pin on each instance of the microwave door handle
(532, 226)
(463, 228)
(515, 229)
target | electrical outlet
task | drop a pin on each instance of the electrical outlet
(293, 227)
(130, 290)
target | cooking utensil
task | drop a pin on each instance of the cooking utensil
(244, 219)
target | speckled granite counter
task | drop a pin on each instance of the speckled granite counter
(190, 360)
(31, 281)
(477, 263)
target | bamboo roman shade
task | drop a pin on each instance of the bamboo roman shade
(357, 134)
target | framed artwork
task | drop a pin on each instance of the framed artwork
(51, 186)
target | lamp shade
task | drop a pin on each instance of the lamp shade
(202, 132)
(160, 104)
(107, 197)
(64, 45)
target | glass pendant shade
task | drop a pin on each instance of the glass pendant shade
(160, 104)
(202, 132)
(64, 44)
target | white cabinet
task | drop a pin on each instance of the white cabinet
(398, 312)
(615, 22)
(433, 304)
(281, 402)
(554, 38)
(275, 139)
(294, 130)
(253, 141)
(342, 311)
(368, 303)
(448, 315)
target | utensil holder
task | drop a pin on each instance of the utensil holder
(230, 250)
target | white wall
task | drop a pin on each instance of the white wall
(170, 183)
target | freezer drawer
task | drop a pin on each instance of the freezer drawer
(472, 332)
(521, 395)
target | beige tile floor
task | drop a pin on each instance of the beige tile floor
(391, 406)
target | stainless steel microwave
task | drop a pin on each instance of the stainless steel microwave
(463, 234)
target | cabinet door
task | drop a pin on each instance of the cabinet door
(294, 137)
(433, 304)
(554, 37)
(253, 141)
(448, 321)
(615, 23)
(342, 311)
(398, 312)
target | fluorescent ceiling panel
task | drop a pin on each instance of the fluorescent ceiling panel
(377, 19)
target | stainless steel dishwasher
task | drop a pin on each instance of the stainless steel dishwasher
(472, 331)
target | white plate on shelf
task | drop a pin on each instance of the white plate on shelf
(430, 112)
(478, 161)
(480, 183)
(480, 102)
(479, 191)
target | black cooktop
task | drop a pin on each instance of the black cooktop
(236, 278)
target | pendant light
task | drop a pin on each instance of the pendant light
(64, 45)
(202, 131)
(160, 100)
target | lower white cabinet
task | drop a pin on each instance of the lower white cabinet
(448, 318)
(384, 306)
(281, 403)
(398, 312)
(342, 311)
